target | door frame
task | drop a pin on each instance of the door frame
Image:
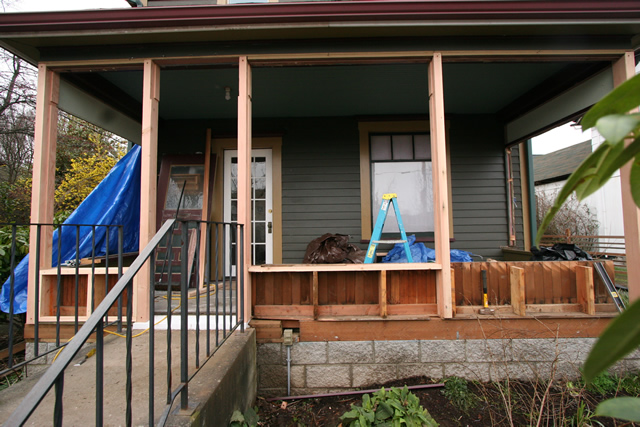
(218, 145)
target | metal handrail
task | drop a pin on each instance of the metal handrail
(54, 375)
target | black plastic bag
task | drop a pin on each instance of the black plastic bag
(333, 249)
(559, 252)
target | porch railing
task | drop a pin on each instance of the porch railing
(598, 246)
(61, 293)
(220, 242)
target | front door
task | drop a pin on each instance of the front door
(261, 205)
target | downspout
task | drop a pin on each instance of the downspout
(533, 219)
(510, 197)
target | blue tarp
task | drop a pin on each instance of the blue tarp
(421, 253)
(115, 201)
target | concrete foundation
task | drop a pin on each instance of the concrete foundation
(322, 367)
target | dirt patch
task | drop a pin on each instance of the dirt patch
(489, 406)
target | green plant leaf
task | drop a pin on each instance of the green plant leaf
(237, 417)
(620, 338)
(616, 127)
(619, 101)
(623, 408)
(635, 180)
(251, 417)
(384, 411)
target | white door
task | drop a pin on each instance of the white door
(261, 206)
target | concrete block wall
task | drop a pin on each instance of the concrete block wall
(322, 367)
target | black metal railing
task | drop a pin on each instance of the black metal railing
(60, 285)
(205, 255)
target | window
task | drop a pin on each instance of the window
(401, 164)
(395, 157)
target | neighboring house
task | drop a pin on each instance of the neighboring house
(552, 170)
(340, 103)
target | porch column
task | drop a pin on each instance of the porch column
(624, 69)
(440, 188)
(244, 174)
(44, 169)
(148, 183)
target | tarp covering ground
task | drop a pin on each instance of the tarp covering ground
(115, 201)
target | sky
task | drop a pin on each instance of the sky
(47, 5)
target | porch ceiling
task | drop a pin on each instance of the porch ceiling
(348, 90)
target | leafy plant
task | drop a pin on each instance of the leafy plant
(389, 408)
(458, 393)
(248, 419)
(621, 131)
(583, 417)
(21, 248)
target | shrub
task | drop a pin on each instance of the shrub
(456, 390)
(394, 407)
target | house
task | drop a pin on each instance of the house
(304, 113)
(603, 208)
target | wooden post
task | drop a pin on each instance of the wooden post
(205, 212)
(440, 191)
(148, 183)
(44, 168)
(244, 172)
(585, 289)
(453, 291)
(624, 69)
(518, 301)
(314, 291)
(382, 298)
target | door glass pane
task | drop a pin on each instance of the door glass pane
(191, 177)
(259, 256)
(259, 210)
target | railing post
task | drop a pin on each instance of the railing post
(152, 337)
(100, 373)
(184, 320)
(57, 408)
(12, 284)
(241, 283)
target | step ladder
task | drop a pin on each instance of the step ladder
(387, 199)
(611, 287)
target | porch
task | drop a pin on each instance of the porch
(303, 296)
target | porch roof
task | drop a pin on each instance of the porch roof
(26, 33)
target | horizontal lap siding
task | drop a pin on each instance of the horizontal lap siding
(320, 183)
(479, 196)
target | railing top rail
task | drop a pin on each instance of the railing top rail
(40, 390)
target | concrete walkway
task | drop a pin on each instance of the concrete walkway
(79, 381)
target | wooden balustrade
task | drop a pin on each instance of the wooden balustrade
(310, 292)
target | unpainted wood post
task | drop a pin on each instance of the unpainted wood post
(624, 69)
(148, 183)
(383, 294)
(518, 301)
(440, 186)
(585, 289)
(44, 166)
(453, 291)
(244, 171)
(314, 290)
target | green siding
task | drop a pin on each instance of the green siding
(321, 178)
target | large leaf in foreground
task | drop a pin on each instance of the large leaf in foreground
(621, 337)
(623, 408)
(621, 100)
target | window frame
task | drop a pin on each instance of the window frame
(389, 127)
